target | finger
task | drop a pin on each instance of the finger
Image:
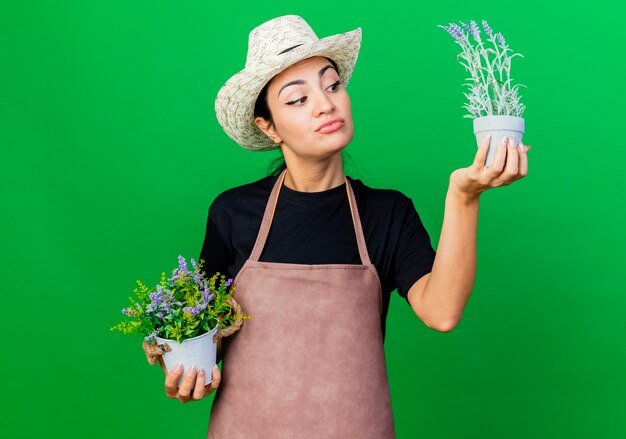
(512, 159)
(481, 154)
(186, 387)
(498, 160)
(215, 380)
(171, 379)
(523, 160)
(198, 389)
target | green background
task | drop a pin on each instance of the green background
(111, 155)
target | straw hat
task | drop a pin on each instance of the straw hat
(272, 47)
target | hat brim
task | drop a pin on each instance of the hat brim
(234, 105)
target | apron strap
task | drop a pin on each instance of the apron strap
(358, 228)
(269, 215)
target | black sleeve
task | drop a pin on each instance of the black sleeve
(414, 254)
(215, 252)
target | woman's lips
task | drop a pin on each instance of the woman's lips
(331, 127)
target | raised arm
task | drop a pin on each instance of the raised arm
(439, 298)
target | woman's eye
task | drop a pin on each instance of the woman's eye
(336, 85)
(301, 100)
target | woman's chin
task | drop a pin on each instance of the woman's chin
(338, 142)
(325, 147)
(333, 148)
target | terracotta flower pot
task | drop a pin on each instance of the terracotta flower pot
(497, 127)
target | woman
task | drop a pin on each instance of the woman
(311, 362)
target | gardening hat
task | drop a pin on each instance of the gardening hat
(272, 47)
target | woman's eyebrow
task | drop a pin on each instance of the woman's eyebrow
(302, 81)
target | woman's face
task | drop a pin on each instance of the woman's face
(303, 97)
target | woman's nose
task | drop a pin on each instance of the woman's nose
(324, 104)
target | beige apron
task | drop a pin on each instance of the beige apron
(310, 363)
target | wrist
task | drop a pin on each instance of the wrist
(462, 196)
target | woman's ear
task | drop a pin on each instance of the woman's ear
(268, 128)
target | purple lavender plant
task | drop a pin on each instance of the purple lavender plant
(181, 307)
(488, 95)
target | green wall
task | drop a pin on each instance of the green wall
(111, 154)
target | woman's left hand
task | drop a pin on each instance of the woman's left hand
(510, 163)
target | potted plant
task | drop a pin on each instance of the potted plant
(184, 317)
(493, 103)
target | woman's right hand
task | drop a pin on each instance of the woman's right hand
(192, 386)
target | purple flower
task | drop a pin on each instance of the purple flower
(456, 32)
(182, 264)
(159, 315)
(192, 309)
(197, 277)
(488, 30)
(170, 299)
(154, 302)
(205, 292)
(180, 271)
(202, 306)
(150, 336)
(474, 30)
(161, 302)
(501, 39)
(194, 265)
(229, 282)
(129, 312)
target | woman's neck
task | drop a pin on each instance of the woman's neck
(315, 176)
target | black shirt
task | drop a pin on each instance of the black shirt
(317, 228)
